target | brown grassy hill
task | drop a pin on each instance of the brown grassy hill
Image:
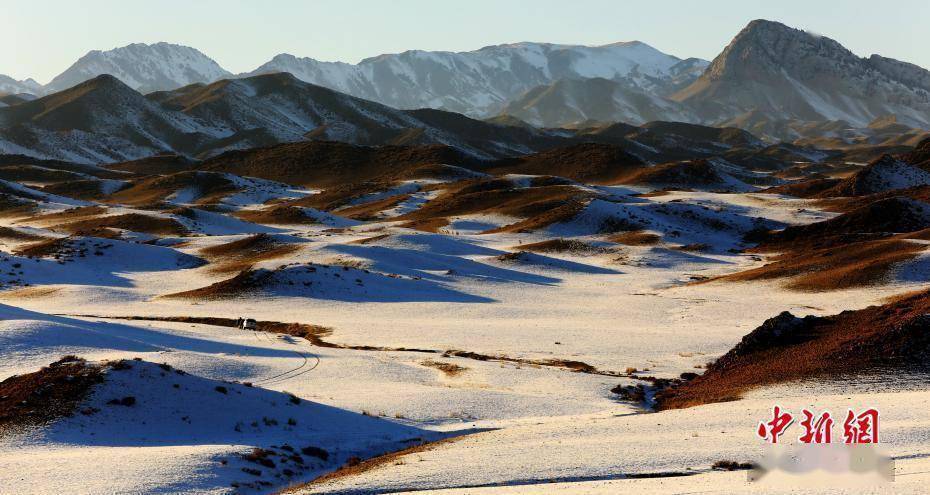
(210, 186)
(855, 249)
(32, 173)
(804, 189)
(52, 392)
(88, 189)
(135, 222)
(691, 173)
(785, 348)
(278, 215)
(516, 202)
(586, 162)
(327, 163)
(239, 255)
(155, 165)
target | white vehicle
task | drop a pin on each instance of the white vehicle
(246, 324)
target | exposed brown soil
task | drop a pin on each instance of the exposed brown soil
(240, 255)
(476, 198)
(326, 163)
(357, 467)
(155, 165)
(587, 162)
(858, 248)
(866, 181)
(135, 222)
(847, 204)
(879, 218)
(804, 189)
(538, 206)
(70, 214)
(78, 189)
(369, 240)
(17, 235)
(786, 348)
(340, 195)
(857, 264)
(449, 369)
(636, 238)
(371, 210)
(427, 225)
(31, 173)
(277, 215)
(561, 246)
(677, 174)
(563, 212)
(43, 396)
(152, 191)
(12, 206)
(246, 282)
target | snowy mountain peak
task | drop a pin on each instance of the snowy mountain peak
(146, 68)
(10, 86)
(791, 74)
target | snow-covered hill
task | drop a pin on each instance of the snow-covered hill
(480, 82)
(145, 68)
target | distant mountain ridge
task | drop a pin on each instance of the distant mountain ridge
(104, 120)
(783, 84)
(479, 83)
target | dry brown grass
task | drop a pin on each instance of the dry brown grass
(17, 235)
(561, 246)
(245, 282)
(857, 264)
(635, 238)
(428, 225)
(239, 255)
(449, 369)
(357, 466)
(371, 210)
(45, 395)
(277, 215)
(540, 205)
(369, 240)
(891, 336)
(135, 222)
(70, 214)
(155, 190)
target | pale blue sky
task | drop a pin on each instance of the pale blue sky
(41, 39)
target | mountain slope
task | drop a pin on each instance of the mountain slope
(145, 68)
(570, 101)
(103, 120)
(480, 82)
(786, 73)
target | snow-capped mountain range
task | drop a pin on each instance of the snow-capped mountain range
(480, 83)
(768, 79)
